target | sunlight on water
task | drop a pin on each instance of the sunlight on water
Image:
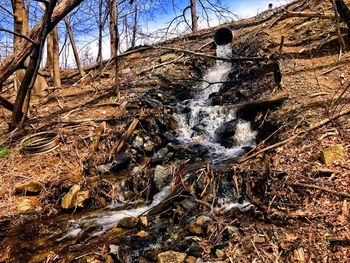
(199, 125)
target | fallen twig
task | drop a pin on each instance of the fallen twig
(162, 64)
(215, 57)
(297, 184)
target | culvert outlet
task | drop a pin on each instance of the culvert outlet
(223, 36)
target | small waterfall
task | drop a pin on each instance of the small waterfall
(201, 121)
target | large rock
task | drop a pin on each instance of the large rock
(120, 162)
(171, 257)
(333, 153)
(161, 176)
(29, 187)
(68, 201)
(128, 222)
(225, 134)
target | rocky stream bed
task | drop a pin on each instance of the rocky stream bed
(199, 160)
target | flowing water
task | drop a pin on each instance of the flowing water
(199, 125)
(201, 121)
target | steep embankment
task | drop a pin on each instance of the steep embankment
(301, 211)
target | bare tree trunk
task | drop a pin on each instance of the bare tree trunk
(20, 21)
(194, 16)
(49, 53)
(100, 29)
(32, 70)
(343, 11)
(134, 28)
(112, 27)
(14, 61)
(56, 58)
(74, 47)
(115, 32)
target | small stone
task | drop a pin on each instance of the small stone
(29, 187)
(149, 146)
(203, 220)
(219, 253)
(232, 230)
(68, 201)
(144, 220)
(190, 259)
(259, 239)
(138, 142)
(171, 257)
(114, 249)
(142, 233)
(195, 229)
(128, 222)
(109, 259)
(333, 153)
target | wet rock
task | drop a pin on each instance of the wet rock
(68, 201)
(32, 187)
(128, 222)
(120, 162)
(162, 156)
(153, 103)
(225, 134)
(168, 137)
(167, 122)
(171, 257)
(333, 153)
(162, 175)
(197, 150)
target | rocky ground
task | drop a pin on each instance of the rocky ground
(124, 150)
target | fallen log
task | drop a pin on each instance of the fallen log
(248, 109)
(120, 144)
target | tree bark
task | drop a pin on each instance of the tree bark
(49, 53)
(56, 58)
(343, 11)
(24, 49)
(194, 15)
(112, 27)
(74, 47)
(32, 70)
(100, 29)
(134, 29)
(20, 21)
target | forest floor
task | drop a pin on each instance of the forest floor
(301, 208)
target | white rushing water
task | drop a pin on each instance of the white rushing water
(108, 219)
(209, 118)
